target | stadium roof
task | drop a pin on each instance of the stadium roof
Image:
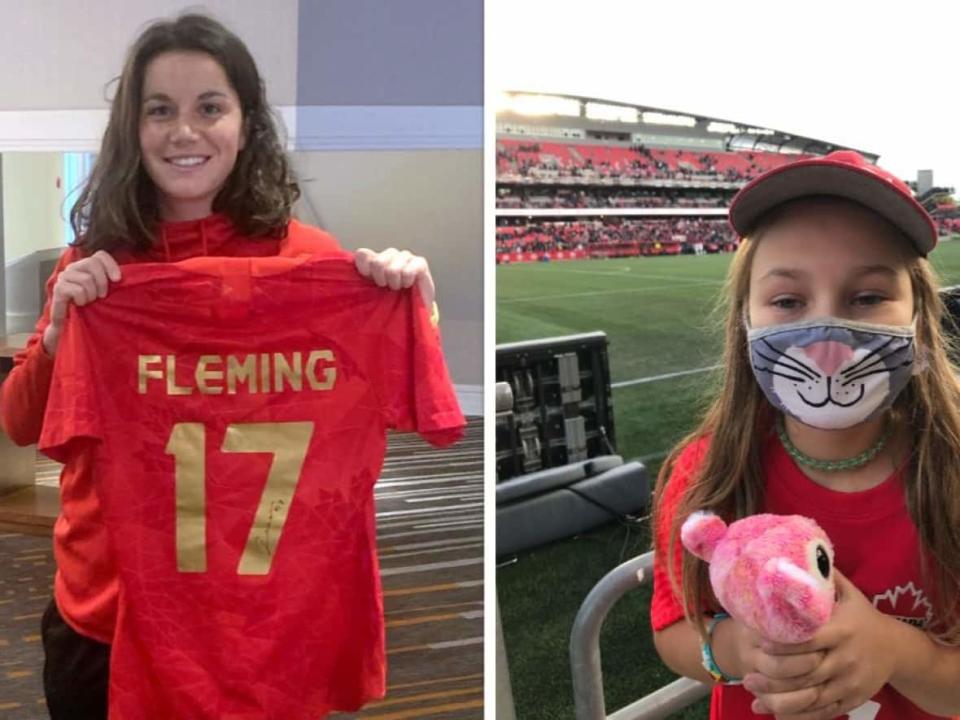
(571, 117)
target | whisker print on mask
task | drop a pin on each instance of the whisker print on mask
(799, 366)
(877, 362)
(873, 364)
(780, 374)
(905, 363)
(861, 361)
(821, 377)
(780, 361)
(829, 399)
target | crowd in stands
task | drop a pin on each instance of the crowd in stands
(546, 161)
(713, 233)
(519, 196)
(590, 234)
(544, 174)
(948, 225)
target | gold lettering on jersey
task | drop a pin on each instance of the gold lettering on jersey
(145, 373)
(285, 371)
(205, 374)
(287, 442)
(244, 372)
(187, 444)
(329, 373)
(172, 387)
(265, 371)
(251, 373)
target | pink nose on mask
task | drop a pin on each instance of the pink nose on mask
(828, 355)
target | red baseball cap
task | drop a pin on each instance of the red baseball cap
(845, 174)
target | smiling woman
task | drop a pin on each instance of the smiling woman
(192, 167)
(191, 132)
(190, 93)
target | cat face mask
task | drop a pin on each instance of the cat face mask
(830, 373)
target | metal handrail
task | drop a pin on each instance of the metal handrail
(585, 653)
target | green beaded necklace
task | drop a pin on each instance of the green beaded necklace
(832, 465)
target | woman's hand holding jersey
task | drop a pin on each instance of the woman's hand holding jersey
(84, 281)
(397, 269)
(81, 282)
(856, 655)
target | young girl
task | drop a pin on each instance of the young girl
(838, 403)
(191, 164)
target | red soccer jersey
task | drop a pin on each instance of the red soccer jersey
(236, 410)
(876, 547)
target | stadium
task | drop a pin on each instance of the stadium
(612, 217)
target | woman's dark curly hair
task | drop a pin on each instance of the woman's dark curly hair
(118, 208)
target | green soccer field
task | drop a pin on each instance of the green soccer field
(657, 315)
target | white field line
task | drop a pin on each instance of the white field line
(631, 275)
(646, 288)
(665, 376)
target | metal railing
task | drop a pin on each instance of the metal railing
(585, 653)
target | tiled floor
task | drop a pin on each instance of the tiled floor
(26, 585)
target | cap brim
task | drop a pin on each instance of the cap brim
(812, 177)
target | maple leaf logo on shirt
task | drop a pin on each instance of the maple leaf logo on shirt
(907, 603)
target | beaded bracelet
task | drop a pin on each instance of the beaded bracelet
(706, 654)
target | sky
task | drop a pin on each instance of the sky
(879, 77)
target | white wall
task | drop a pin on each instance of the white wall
(31, 203)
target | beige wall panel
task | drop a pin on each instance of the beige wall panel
(31, 203)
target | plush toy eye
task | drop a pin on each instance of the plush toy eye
(823, 561)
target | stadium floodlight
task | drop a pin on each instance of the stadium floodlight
(656, 118)
(526, 104)
(759, 131)
(617, 113)
(723, 127)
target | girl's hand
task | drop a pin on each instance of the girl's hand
(737, 648)
(741, 651)
(80, 282)
(397, 269)
(857, 660)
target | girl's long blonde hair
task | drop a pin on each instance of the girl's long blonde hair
(730, 480)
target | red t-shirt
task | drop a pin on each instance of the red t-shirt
(235, 411)
(876, 544)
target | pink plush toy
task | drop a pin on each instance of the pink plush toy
(773, 573)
